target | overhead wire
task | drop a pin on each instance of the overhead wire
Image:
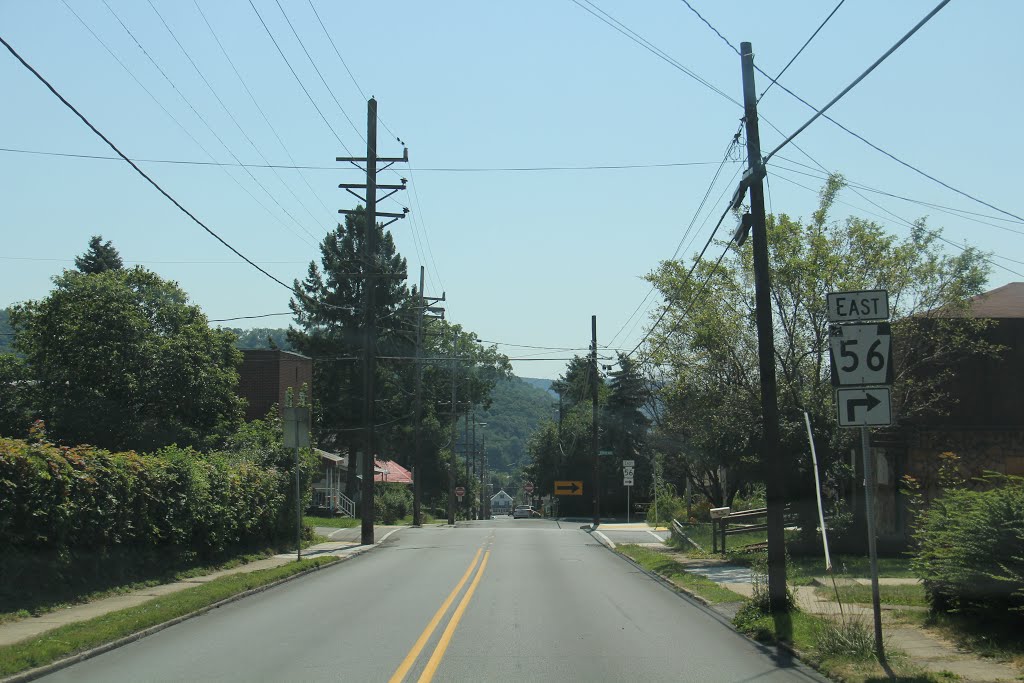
(299, 80)
(203, 119)
(650, 47)
(860, 137)
(725, 157)
(798, 52)
(263, 114)
(138, 170)
(171, 116)
(227, 110)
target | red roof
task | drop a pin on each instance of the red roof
(391, 471)
(1003, 302)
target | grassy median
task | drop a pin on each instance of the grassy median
(73, 638)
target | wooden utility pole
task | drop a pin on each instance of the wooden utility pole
(593, 426)
(422, 310)
(370, 322)
(455, 427)
(370, 279)
(765, 344)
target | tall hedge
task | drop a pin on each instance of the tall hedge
(55, 498)
(970, 549)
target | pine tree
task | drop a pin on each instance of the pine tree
(329, 317)
(100, 257)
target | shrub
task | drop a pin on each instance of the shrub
(59, 500)
(970, 548)
(391, 502)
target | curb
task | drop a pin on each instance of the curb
(47, 669)
(797, 656)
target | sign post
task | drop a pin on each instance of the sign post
(296, 435)
(460, 491)
(861, 357)
(627, 481)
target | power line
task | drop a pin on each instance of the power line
(314, 167)
(860, 137)
(689, 275)
(798, 52)
(725, 157)
(299, 80)
(165, 111)
(857, 80)
(137, 169)
(248, 317)
(234, 120)
(202, 118)
(317, 69)
(650, 47)
(252, 98)
(910, 224)
(943, 209)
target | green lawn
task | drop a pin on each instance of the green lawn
(840, 650)
(67, 640)
(335, 522)
(803, 569)
(912, 595)
(701, 535)
(662, 564)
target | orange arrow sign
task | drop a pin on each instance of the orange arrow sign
(568, 488)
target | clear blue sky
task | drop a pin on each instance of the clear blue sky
(525, 257)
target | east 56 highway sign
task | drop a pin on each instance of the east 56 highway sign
(861, 354)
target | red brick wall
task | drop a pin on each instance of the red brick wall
(265, 376)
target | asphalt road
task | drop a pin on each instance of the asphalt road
(535, 601)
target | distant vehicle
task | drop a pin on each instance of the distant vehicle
(526, 511)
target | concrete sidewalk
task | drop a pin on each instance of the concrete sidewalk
(12, 632)
(922, 647)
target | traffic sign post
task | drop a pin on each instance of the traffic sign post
(460, 491)
(861, 356)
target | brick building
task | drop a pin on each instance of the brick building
(267, 374)
(984, 426)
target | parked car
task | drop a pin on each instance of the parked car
(526, 511)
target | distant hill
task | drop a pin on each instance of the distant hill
(542, 384)
(518, 407)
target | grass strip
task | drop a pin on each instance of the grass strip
(842, 650)
(664, 565)
(333, 522)
(911, 595)
(805, 568)
(84, 635)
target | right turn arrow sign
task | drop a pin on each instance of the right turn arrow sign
(868, 407)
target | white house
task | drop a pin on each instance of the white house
(501, 503)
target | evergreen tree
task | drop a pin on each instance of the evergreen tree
(100, 257)
(329, 317)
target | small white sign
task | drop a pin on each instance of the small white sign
(627, 471)
(628, 463)
(848, 307)
(866, 407)
(627, 481)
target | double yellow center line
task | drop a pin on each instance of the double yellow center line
(446, 637)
